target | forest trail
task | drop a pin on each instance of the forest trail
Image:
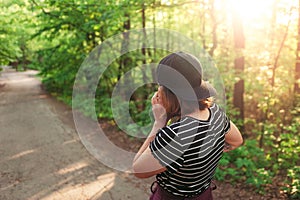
(41, 154)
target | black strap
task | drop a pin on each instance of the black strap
(152, 185)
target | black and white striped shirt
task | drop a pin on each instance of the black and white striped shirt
(190, 149)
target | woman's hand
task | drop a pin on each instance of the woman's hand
(158, 110)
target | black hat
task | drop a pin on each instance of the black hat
(182, 74)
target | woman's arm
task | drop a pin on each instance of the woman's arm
(233, 138)
(144, 163)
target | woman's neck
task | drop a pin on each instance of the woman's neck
(200, 114)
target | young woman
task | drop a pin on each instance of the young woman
(189, 134)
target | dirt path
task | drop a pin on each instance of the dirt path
(41, 154)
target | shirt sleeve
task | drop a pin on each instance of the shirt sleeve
(167, 149)
(226, 124)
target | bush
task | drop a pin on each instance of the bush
(293, 183)
(247, 163)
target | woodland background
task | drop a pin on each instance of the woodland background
(254, 44)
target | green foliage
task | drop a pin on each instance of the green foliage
(139, 122)
(293, 183)
(104, 108)
(84, 105)
(248, 163)
(258, 167)
(289, 147)
(15, 30)
(288, 158)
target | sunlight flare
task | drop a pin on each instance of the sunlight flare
(252, 10)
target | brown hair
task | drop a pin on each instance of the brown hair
(171, 103)
(175, 106)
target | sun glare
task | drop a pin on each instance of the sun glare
(252, 10)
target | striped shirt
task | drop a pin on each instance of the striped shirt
(190, 149)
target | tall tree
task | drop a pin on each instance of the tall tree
(239, 62)
(297, 67)
(214, 28)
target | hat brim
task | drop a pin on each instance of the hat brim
(204, 91)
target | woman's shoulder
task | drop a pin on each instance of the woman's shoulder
(172, 128)
(216, 107)
(181, 121)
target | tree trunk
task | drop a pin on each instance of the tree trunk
(124, 60)
(277, 56)
(144, 32)
(214, 29)
(238, 96)
(297, 67)
(239, 44)
(144, 53)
